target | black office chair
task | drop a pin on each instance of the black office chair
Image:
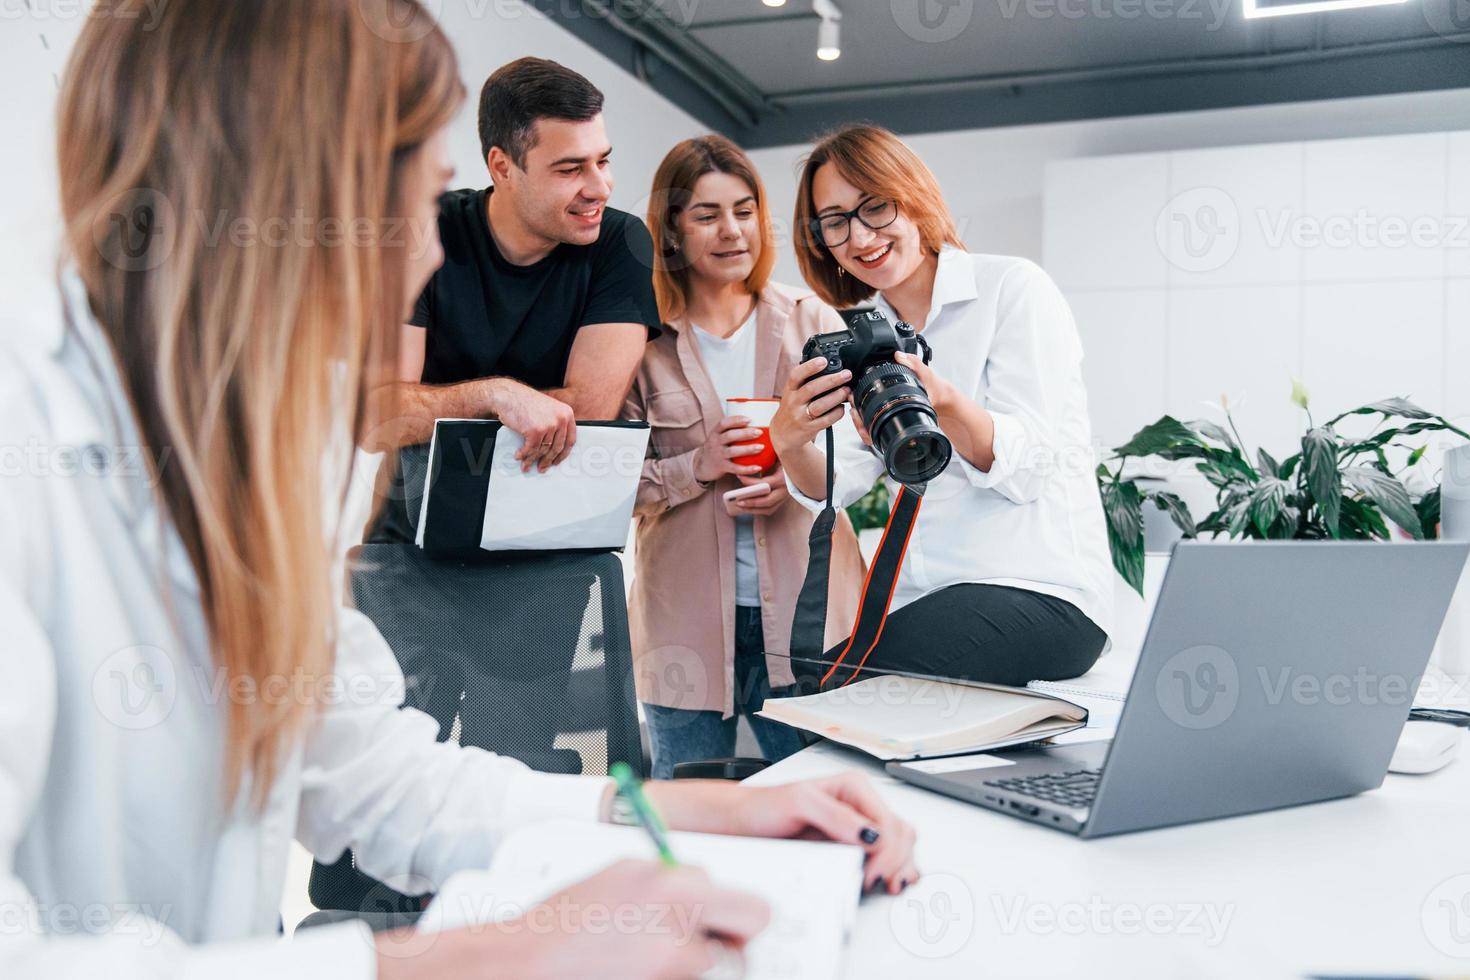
(526, 656)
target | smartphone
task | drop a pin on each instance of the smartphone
(754, 490)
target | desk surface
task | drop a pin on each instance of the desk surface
(1374, 884)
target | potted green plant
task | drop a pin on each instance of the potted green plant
(1334, 487)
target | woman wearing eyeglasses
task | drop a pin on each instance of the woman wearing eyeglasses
(1007, 576)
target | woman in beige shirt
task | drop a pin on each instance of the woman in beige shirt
(716, 582)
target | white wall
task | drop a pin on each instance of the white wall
(33, 51)
(1345, 263)
(993, 178)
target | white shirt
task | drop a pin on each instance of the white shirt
(1003, 335)
(117, 857)
(730, 362)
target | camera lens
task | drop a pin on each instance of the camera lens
(901, 421)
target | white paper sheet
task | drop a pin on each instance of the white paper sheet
(586, 501)
(812, 887)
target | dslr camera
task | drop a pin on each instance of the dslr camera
(894, 407)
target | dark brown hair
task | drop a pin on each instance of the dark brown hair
(528, 89)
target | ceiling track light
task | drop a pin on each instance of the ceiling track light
(1253, 9)
(829, 31)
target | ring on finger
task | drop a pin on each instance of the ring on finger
(808, 409)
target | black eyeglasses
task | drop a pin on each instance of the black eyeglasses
(836, 228)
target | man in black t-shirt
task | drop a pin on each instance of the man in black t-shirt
(541, 310)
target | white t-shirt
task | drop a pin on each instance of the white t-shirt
(730, 362)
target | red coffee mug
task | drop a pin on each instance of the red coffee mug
(760, 411)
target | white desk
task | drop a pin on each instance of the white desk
(1375, 884)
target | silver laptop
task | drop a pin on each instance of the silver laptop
(1273, 674)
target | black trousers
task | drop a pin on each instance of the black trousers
(991, 633)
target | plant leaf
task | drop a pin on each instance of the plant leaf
(1388, 493)
(1266, 502)
(1177, 510)
(1167, 433)
(1401, 407)
(1361, 520)
(1123, 507)
(1319, 455)
(1269, 466)
(1213, 430)
(1427, 508)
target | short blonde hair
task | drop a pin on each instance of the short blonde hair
(673, 190)
(877, 162)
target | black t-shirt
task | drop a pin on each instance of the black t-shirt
(486, 317)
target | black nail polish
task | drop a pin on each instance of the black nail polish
(869, 835)
(877, 884)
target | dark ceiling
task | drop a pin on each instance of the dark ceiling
(751, 71)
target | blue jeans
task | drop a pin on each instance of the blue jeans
(685, 735)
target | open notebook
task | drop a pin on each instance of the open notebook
(894, 717)
(812, 887)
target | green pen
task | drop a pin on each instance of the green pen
(630, 789)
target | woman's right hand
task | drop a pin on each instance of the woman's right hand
(720, 456)
(635, 919)
(810, 403)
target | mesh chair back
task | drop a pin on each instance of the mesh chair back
(526, 656)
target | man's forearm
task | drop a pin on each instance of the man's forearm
(404, 412)
(592, 404)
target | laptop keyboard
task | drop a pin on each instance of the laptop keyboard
(1074, 789)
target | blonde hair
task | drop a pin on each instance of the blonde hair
(673, 191)
(239, 354)
(880, 164)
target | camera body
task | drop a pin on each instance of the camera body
(869, 340)
(892, 403)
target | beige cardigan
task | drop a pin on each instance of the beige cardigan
(682, 602)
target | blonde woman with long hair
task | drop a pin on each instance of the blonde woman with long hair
(183, 695)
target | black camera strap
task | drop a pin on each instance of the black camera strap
(809, 626)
